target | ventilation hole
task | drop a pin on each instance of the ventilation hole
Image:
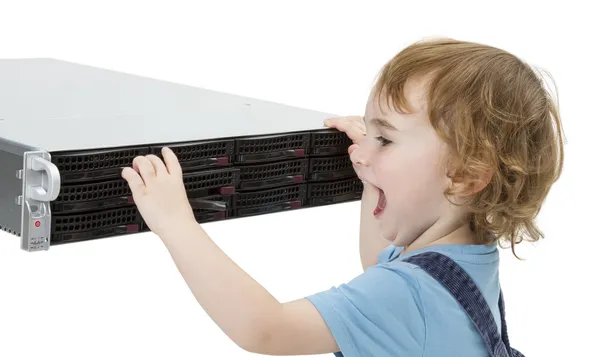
(335, 188)
(203, 150)
(214, 179)
(329, 164)
(331, 139)
(261, 172)
(272, 196)
(93, 191)
(97, 161)
(257, 145)
(96, 220)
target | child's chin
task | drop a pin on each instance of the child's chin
(387, 232)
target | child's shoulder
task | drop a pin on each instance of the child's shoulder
(480, 262)
(397, 306)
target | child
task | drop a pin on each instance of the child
(459, 146)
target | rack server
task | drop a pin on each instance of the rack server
(67, 130)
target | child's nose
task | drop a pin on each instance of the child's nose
(358, 157)
(361, 163)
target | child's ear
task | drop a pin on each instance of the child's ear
(466, 181)
(479, 184)
(467, 185)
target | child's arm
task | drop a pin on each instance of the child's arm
(242, 308)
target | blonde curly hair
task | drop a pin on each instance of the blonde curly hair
(500, 123)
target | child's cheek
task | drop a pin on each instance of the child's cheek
(367, 174)
(381, 173)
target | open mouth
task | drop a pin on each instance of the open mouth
(380, 203)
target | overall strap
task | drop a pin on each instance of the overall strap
(465, 291)
(513, 351)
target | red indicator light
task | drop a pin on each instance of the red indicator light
(222, 161)
(37, 224)
(227, 190)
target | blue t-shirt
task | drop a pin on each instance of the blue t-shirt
(397, 309)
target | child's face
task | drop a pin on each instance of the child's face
(403, 157)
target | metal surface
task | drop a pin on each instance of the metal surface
(11, 162)
(59, 106)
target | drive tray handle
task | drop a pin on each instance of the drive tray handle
(49, 193)
(199, 203)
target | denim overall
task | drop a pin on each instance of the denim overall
(464, 290)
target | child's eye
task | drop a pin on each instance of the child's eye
(383, 141)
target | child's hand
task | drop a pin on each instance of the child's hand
(158, 192)
(353, 126)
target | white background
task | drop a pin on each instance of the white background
(124, 296)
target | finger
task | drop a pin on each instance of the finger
(334, 121)
(354, 131)
(157, 163)
(361, 125)
(171, 161)
(331, 122)
(135, 182)
(142, 165)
